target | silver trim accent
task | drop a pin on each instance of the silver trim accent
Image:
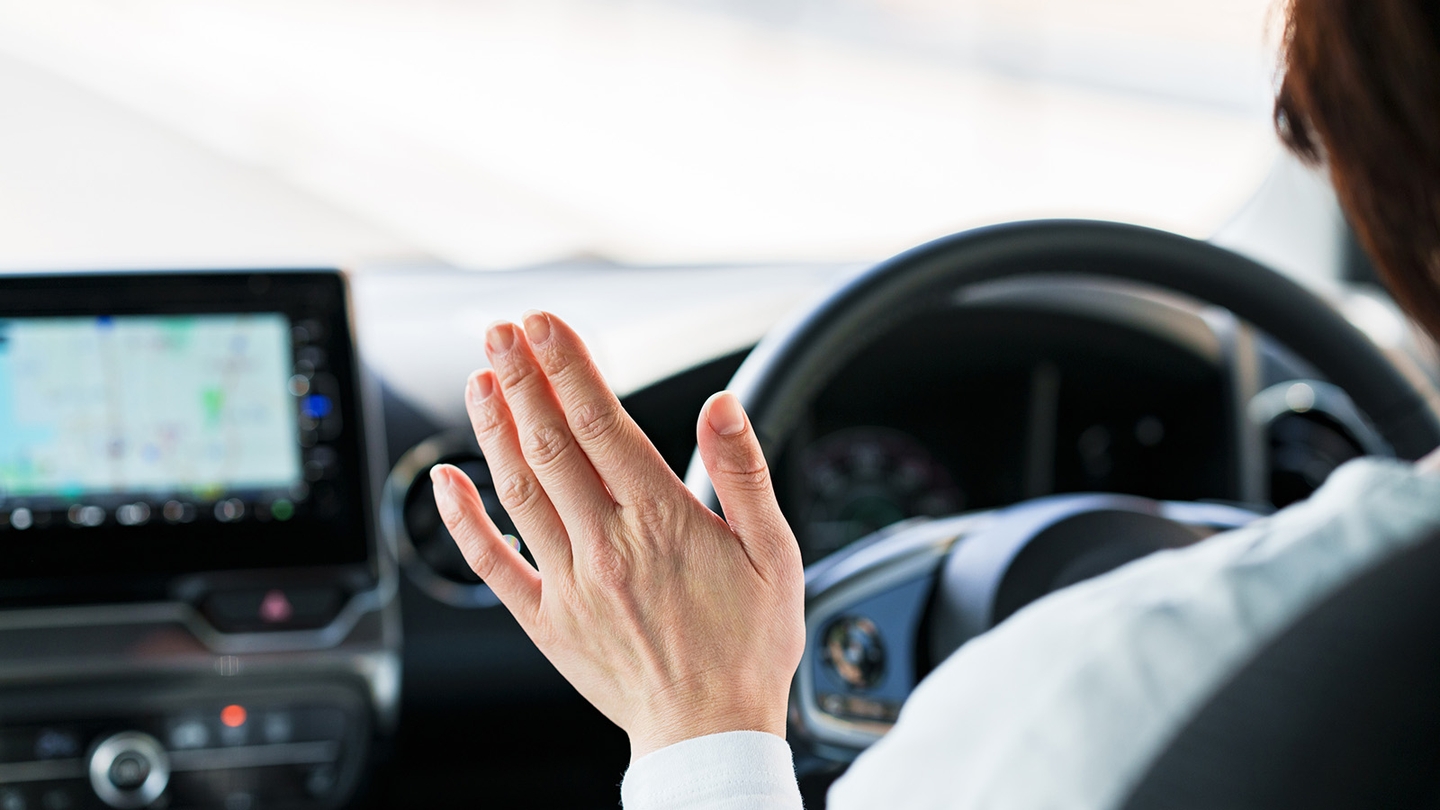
(198, 759)
(1146, 308)
(255, 756)
(111, 749)
(1243, 382)
(417, 460)
(329, 636)
(43, 770)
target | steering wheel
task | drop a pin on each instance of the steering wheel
(885, 609)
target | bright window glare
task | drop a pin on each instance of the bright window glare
(501, 134)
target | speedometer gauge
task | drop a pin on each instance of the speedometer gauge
(863, 479)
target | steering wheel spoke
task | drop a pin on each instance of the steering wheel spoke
(883, 612)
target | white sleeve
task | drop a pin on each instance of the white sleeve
(1066, 703)
(736, 770)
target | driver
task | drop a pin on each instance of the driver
(685, 628)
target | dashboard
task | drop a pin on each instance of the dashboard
(224, 564)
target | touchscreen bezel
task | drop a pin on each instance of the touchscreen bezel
(112, 561)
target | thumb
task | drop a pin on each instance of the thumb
(731, 454)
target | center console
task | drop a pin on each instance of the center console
(195, 611)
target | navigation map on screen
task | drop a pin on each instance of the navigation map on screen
(146, 404)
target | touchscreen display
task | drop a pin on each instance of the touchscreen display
(160, 424)
(149, 417)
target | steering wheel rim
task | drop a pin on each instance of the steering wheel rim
(798, 357)
(929, 567)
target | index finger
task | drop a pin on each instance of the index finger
(617, 448)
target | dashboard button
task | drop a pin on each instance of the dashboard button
(53, 743)
(189, 732)
(321, 781)
(260, 609)
(279, 727)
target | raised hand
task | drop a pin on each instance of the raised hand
(674, 622)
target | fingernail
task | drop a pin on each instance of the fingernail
(441, 483)
(725, 415)
(537, 326)
(500, 336)
(481, 386)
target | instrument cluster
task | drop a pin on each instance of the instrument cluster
(975, 409)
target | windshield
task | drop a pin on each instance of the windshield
(506, 134)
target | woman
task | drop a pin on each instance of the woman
(685, 629)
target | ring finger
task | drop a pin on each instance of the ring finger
(519, 490)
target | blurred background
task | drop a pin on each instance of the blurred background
(495, 134)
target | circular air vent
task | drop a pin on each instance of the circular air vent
(427, 552)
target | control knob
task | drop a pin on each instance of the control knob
(129, 770)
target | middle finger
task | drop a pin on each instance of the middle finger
(549, 448)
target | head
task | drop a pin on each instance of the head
(1361, 95)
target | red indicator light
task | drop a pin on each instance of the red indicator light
(233, 715)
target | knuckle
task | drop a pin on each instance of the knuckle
(593, 423)
(517, 492)
(546, 444)
(487, 421)
(515, 374)
(613, 570)
(481, 558)
(467, 536)
(560, 363)
(654, 519)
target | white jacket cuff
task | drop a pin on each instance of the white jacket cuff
(736, 770)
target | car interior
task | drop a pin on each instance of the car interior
(224, 582)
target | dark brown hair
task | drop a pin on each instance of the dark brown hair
(1361, 95)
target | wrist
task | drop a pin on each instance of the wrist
(667, 728)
